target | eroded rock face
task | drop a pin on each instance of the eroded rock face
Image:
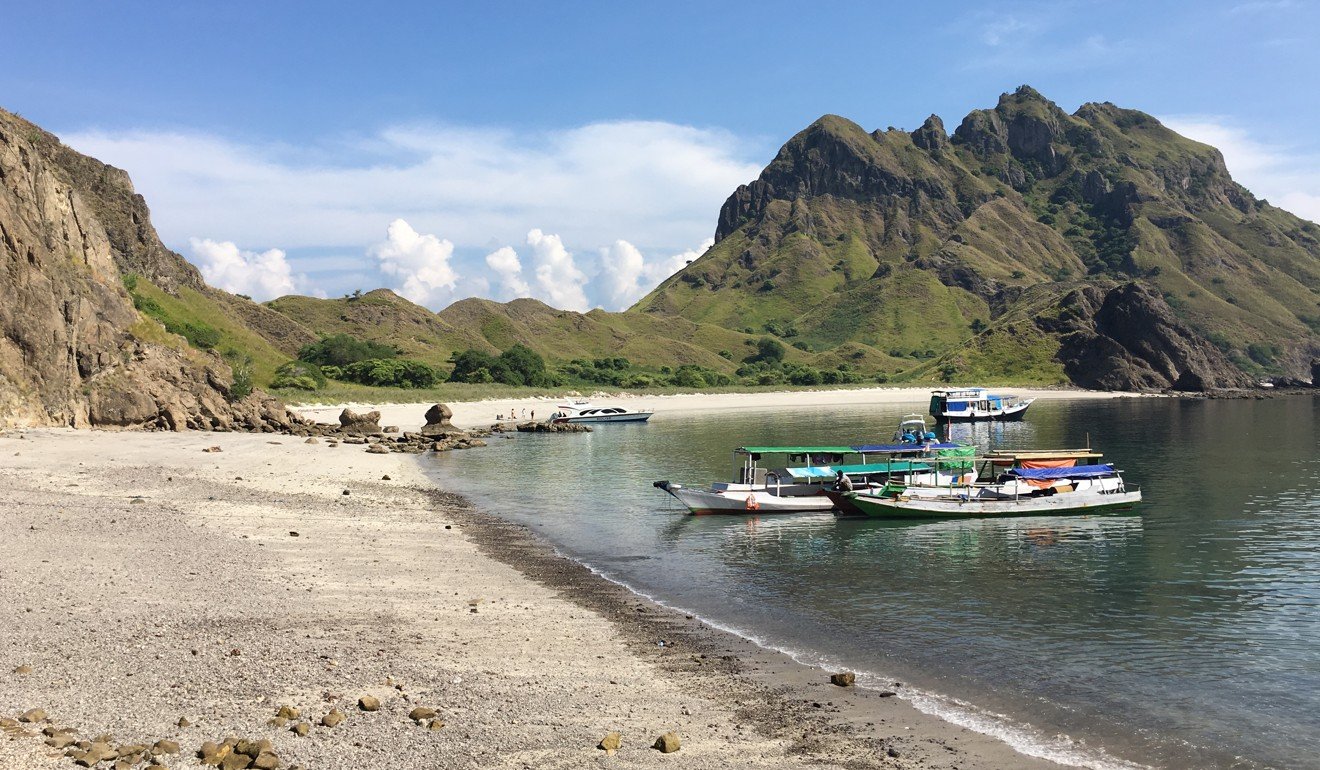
(1128, 338)
(355, 424)
(73, 350)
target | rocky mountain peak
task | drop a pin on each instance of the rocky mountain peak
(931, 136)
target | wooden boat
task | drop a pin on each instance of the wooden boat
(976, 404)
(1024, 492)
(807, 475)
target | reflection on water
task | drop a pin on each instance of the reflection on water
(1183, 634)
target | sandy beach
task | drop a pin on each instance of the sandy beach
(471, 414)
(145, 581)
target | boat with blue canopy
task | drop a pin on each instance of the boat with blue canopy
(795, 479)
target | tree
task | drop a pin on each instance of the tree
(769, 350)
(341, 350)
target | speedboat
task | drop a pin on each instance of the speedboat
(912, 429)
(586, 412)
(798, 479)
(973, 404)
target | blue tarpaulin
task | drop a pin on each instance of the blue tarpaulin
(1075, 472)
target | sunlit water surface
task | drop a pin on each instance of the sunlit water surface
(1184, 635)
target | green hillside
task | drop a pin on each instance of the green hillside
(901, 241)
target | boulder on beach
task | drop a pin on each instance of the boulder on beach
(360, 424)
(843, 679)
(438, 422)
(610, 743)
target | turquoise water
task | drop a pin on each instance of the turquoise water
(1184, 635)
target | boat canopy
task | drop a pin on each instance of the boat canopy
(1075, 472)
(896, 448)
(796, 450)
(829, 471)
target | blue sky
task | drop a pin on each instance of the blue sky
(579, 152)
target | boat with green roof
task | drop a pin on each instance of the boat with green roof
(799, 479)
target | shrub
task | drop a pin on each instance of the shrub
(519, 365)
(768, 350)
(979, 326)
(341, 350)
(300, 375)
(241, 366)
(392, 372)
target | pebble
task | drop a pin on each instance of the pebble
(23, 670)
(288, 712)
(301, 729)
(434, 724)
(333, 718)
(33, 715)
(369, 703)
(610, 743)
(421, 713)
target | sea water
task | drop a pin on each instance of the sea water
(1183, 634)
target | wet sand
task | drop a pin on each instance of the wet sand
(144, 580)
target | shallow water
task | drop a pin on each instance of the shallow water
(1184, 635)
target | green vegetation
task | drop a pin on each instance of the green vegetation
(341, 350)
(519, 365)
(391, 373)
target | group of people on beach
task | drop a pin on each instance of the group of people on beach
(513, 415)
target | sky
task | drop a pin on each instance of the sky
(579, 152)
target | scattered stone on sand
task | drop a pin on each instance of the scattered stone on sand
(61, 740)
(667, 743)
(893, 752)
(136, 501)
(213, 449)
(33, 715)
(23, 670)
(390, 429)
(333, 718)
(843, 679)
(434, 724)
(378, 449)
(421, 713)
(293, 533)
(369, 703)
(164, 746)
(312, 440)
(266, 760)
(285, 711)
(183, 722)
(277, 722)
(386, 477)
(301, 729)
(887, 693)
(611, 743)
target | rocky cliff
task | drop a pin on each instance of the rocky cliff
(943, 252)
(73, 349)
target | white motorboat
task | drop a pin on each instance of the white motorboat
(586, 412)
(975, 404)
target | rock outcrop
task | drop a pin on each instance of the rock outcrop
(73, 350)
(1128, 338)
(439, 422)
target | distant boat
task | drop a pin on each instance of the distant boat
(974, 404)
(586, 412)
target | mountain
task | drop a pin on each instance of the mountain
(74, 349)
(1100, 248)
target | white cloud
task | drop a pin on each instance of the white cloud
(626, 276)
(507, 269)
(419, 263)
(559, 282)
(1286, 176)
(659, 183)
(262, 276)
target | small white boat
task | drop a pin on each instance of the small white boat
(973, 404)
(586, 412)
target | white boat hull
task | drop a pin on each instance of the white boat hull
(598, 418)
(703, 502)
(975, 507)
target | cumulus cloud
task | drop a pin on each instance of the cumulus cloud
(262, 276)
(506, 268)
(658, 182)
(418, 263)
(1286, 176)
(559, 282)
(626, 276)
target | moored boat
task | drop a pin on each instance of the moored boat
(586, 412)
(798, 479)
(975, 404)
(1018, 492)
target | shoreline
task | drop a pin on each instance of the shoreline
(473, 414)
(160, 549)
